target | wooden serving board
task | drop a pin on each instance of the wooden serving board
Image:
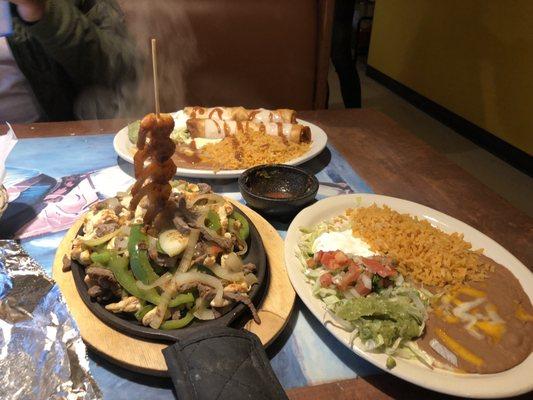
(145, 356)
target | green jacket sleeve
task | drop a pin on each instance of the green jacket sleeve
(93, 48)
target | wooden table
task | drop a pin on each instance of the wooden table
(395, 163)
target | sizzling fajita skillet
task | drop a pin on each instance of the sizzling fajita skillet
(232, 316)
(124, 241)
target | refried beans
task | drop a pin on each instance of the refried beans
(494, 346)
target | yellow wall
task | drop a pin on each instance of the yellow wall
(473, 57)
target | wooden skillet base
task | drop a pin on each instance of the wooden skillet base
(144, 356)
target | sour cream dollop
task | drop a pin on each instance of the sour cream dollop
(344, 241)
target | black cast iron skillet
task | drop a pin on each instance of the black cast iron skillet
(208, 359)
(130, 326)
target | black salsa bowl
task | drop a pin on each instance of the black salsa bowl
(277, 189)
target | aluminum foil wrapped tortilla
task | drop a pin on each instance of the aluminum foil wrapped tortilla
(42, 355)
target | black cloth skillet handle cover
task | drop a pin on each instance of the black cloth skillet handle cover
(222, 364)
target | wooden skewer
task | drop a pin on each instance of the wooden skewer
(156, 83)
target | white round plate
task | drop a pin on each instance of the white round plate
(514, 381)
(125, 149)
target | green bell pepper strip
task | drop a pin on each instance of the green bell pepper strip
(244, 230)
(177, 323)
(119, 266)
(139, 315)
(213, 221)
(139, 262)
(180, 299)
(101, 257)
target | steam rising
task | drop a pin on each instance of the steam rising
(166, 21)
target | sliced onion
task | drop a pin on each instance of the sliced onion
(214, 198)
(195, 276)
(201, 311)
(354, 292)
(158, 282)
(200, 221)
(225, 274)
(367, 282)
(152, 246)
(232, 262)
(250, 279)
(185, 262)
(100, 240)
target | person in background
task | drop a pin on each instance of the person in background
(66, 59)
(341, 53)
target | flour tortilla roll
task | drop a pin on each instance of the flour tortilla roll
(217, 113)
(242, 114)
(217, 129)
(293, 132)
(211, 128)
(279, 115)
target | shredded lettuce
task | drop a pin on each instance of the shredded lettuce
(180, 135)
(330, 300)
(324, 292)
(133, 131)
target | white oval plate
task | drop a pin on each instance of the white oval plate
(514, 381)
(125, 149)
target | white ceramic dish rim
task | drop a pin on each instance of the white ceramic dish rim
(123, 146)
(512, 382)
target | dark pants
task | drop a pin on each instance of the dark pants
(341, 53)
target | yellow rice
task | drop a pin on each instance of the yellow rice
(424, 253)
(245, 150)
